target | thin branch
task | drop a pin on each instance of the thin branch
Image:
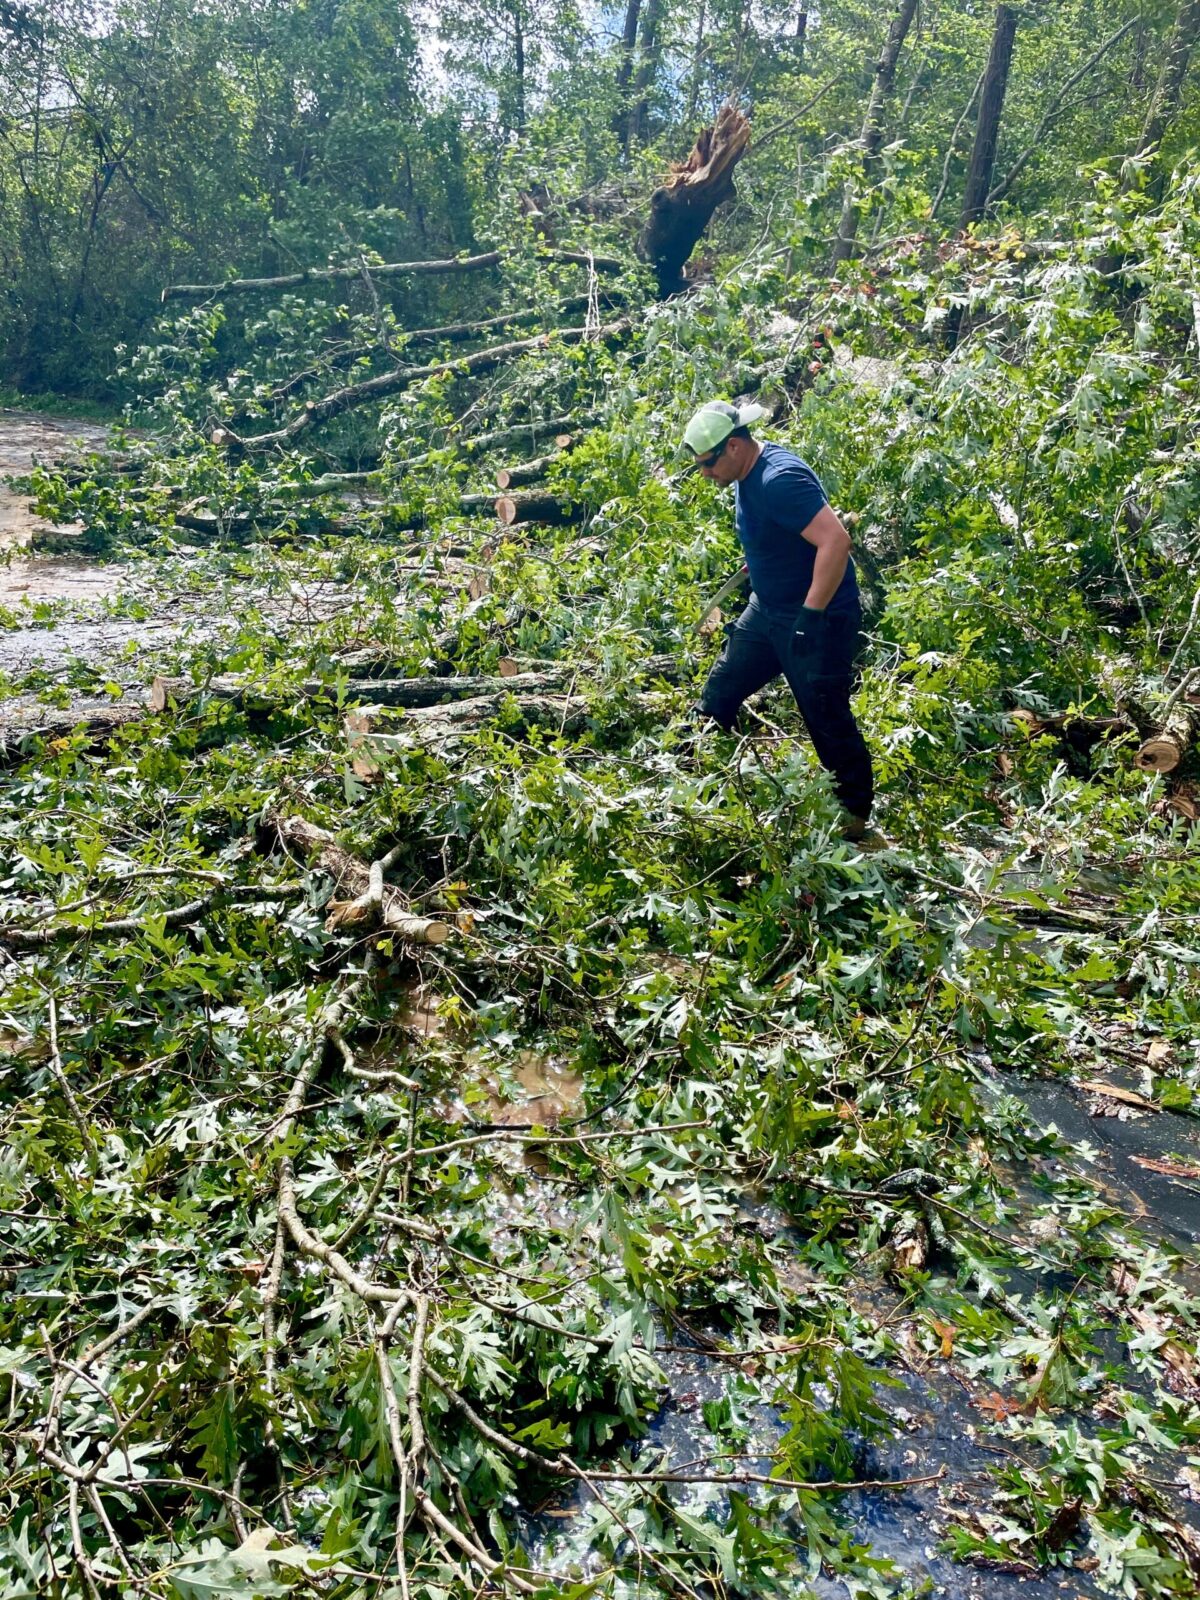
(1053, 110)
(56, 1067)
(952, 147)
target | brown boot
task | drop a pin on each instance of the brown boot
(854, 828)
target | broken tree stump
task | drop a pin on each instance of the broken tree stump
(682, 207)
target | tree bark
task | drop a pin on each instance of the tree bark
(387, 269)
(871, 137)
(991, 108)
(1169, 89)
(682, 207)
(366, 905)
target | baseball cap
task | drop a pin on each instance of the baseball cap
(716, 420)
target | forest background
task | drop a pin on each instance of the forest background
(462, 1133)
(144, 145)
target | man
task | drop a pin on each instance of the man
(804, 614)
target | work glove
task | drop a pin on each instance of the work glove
(809, 629)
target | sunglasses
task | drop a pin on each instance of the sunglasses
(710, 460)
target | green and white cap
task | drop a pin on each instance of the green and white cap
(716, 420)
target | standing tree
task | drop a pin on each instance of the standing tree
(871, 137)
(633, 11)
(991, 109)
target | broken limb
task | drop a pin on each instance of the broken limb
(236, 897)
(370, 903)
(384, 269)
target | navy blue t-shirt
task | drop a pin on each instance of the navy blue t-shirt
(777, 498)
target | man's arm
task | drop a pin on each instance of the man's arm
(833, 555)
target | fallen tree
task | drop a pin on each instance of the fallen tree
(407, 693)
(400, 378)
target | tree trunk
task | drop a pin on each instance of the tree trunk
(697, 65)
(991, 108)
(682, 207)
(871, 137)
(1169, 89)
(519, 65)
(1051, 113)
(651, 53)
(987, 135)
(633, 11)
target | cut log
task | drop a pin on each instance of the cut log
(366, 905)
(535, 506)
(524, 473)
(681, 208)
(386, 269)
(1166, 747)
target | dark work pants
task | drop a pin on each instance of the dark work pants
(819, 669)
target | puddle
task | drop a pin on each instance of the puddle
(1123, 1147)
(546, 1090)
